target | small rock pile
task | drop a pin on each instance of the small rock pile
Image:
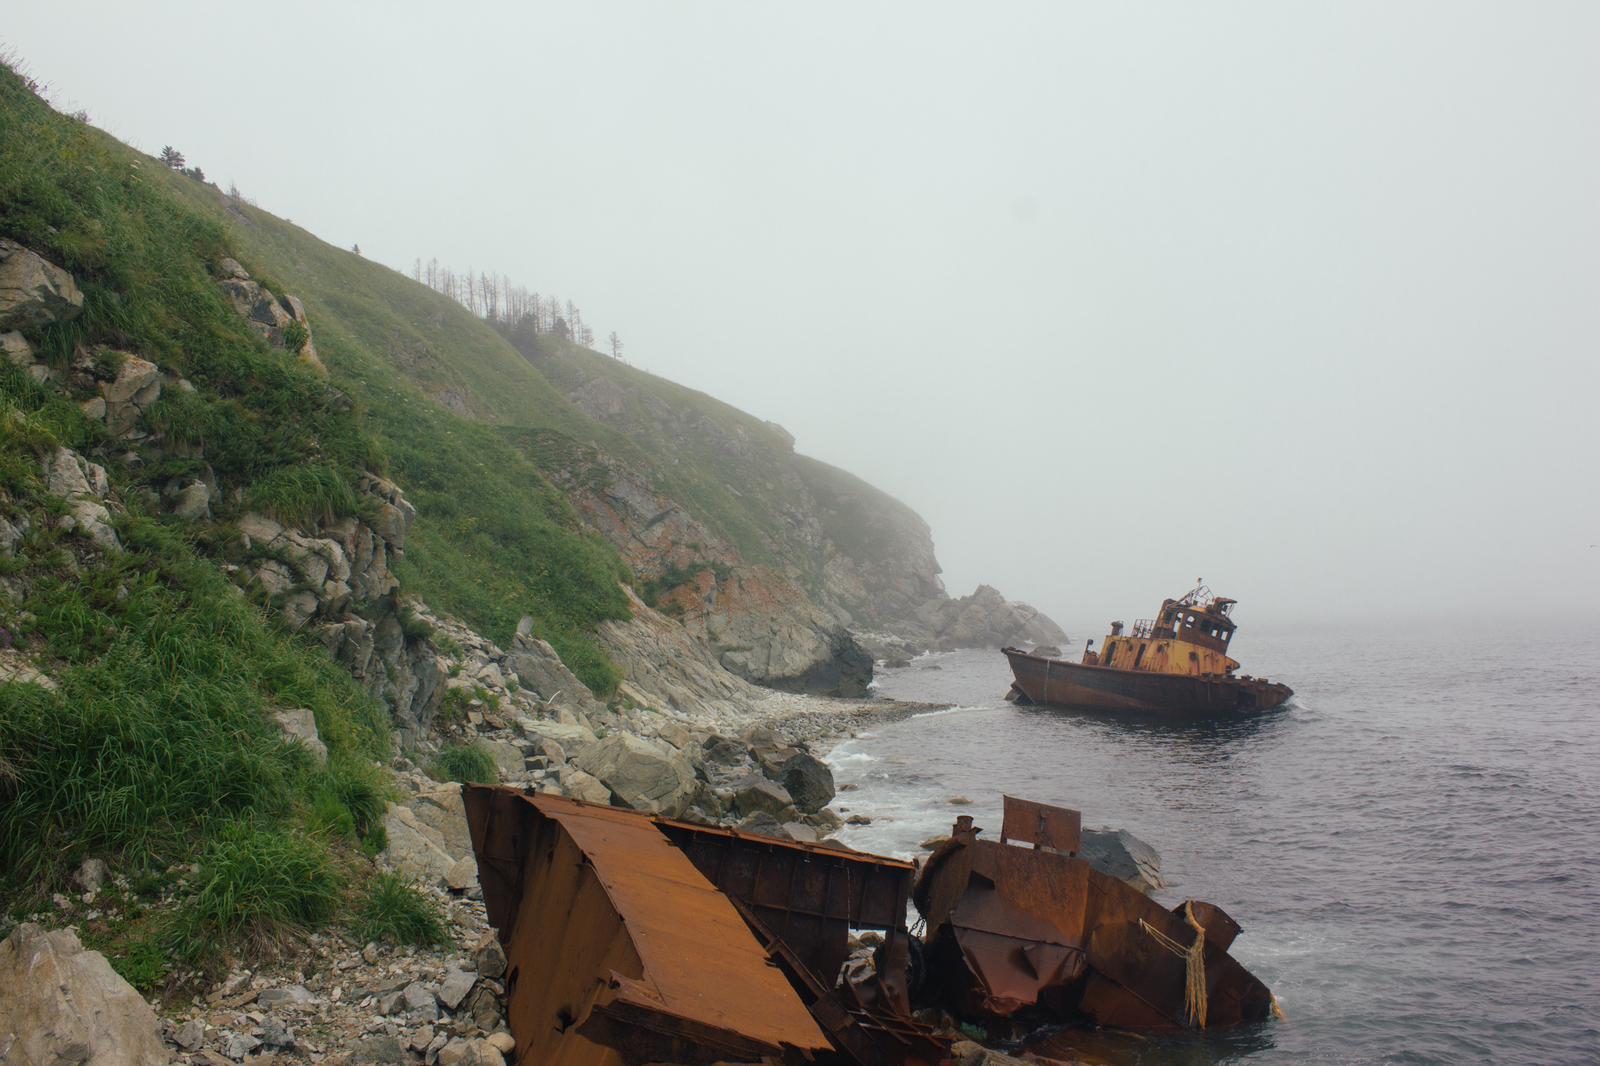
(339, 1002)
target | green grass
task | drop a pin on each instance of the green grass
(396, 912)
(466, 764)
(157, 744)
(494, 540)
(256, 886)
(142, 963)
(159, 722)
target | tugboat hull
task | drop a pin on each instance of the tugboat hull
(1074, 686)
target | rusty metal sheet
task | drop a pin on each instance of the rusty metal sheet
(1041, 825)
(1013, 927)
(1220, 929)
(809, 897)
(619, 950)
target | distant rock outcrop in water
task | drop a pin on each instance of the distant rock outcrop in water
(985, 619)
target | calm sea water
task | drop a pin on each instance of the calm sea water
(1412, 843)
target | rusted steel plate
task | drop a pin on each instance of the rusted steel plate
(1041, 825)
(1220, 929)
(809, 897)
(1011, 927)
(619, 949)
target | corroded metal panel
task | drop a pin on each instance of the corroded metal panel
(1012, 928)
(808, 896)
(619, 950)
(1039, 824)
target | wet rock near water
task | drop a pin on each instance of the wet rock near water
(1118, 853)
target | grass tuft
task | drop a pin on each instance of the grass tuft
(395, 911)
(257, 887)
(466, 764)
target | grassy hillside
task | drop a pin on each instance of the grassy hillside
(154, 747)
(494, 541)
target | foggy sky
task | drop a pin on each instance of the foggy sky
(1300, 299)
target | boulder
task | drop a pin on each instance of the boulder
(455, 986)
(93, 521)
(33, 292)
(15, 349)
(1120, 854)
(586, 787)
(572, 740)
(240, 1046)
(763, 824)
(539, 668)
(61, 1005)
(271, 997)
(92, 873)
(83, 484)
(753, 793)
(416, 851)
(70, 476)
(275, 1034)
(136, 378)
(194, 503)
(300, 724)
(641, 775)
(508, 757)
(382, 1049)
(461, 877)
(488, 957)
(443, 811)
(808, 780)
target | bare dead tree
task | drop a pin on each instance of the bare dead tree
(616, 345)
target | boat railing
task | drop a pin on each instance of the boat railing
(1143, 626)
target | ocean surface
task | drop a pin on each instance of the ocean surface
(1412, 843)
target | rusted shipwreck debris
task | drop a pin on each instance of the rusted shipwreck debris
(1038, 935)
(637, 939)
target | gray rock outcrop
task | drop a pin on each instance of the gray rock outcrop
(300, 725)
(540, 669)
(1118, 853)
(347, 598)
(84, 486)
(34, 292)
(664, 665)
(269, 316)
(792, 645)
(640, 774)
(61, 1006)
(985, 619)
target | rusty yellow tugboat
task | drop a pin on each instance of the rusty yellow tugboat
(1175, 664)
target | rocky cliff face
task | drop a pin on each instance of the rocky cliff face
(780, 564)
